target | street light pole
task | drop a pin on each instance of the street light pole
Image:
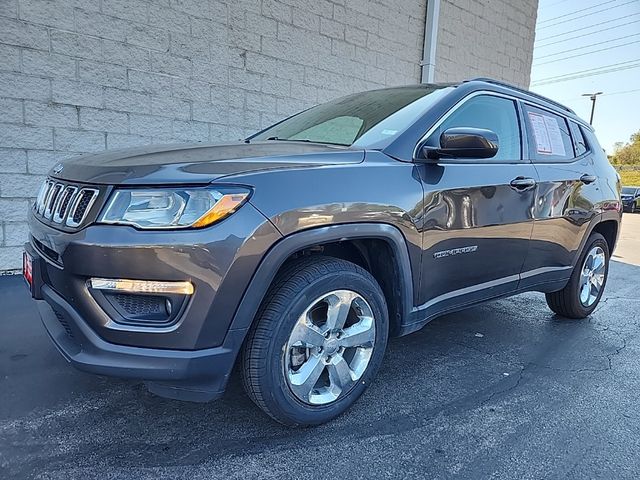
(593, 97)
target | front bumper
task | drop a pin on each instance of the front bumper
(190, 359)
(198, 375)
(194, 375)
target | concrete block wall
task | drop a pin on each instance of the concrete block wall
(80, 76)
(486, 38)
(87, 75)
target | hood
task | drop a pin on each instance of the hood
(198, 163)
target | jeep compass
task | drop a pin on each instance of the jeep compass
(296, 253)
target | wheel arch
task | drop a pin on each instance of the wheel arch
(347, 241)
(608, 225)
(609, 230)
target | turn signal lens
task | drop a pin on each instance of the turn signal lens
(225, 206)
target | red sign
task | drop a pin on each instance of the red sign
(27, 268)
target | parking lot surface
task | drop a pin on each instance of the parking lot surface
(505, 390)
(628, 250)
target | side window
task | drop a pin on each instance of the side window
(549, 134)
(579, 142)
(491, 113)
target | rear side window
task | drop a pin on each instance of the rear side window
(549, 134)
(579, 142)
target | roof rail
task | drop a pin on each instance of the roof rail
(522, 90)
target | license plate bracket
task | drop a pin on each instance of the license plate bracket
(31, 272)
(27, 269)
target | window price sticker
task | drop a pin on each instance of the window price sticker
(547, 134)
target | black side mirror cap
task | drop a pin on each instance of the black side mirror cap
(463, 142)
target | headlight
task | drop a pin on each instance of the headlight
(172, 208)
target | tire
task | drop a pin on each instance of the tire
(568, 302)
(633, 208)
(272, 365)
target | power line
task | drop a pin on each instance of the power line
(587, 46)
(587, 34)
(614, 67)
(587, 14)
(587, 53)
(606, 94)
(576, 77)
(622, 92)
(577, 11)
(586, 27)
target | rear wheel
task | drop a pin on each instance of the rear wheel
(317, 341)
(583, 292)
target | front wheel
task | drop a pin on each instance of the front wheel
(317, 342)
(583, 292)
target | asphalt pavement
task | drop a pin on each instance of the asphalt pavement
(504, 391)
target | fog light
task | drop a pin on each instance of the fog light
(141, 286)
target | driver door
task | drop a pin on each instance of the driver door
(478, 213)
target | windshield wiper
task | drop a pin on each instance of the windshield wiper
(289, 139)
(306, 140)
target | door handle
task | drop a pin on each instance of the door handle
(522, 184)
(587, 179)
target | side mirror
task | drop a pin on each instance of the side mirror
(464, 142)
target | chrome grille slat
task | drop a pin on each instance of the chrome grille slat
(65, 199)
(81, 206)
(51, 200)
(64, 204)
(39, 205)
(45, 197)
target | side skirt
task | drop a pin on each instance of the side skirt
(545, 280)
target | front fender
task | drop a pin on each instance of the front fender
(284, 248)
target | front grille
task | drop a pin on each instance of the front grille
(64, 204)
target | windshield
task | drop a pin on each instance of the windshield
(628, 191)
(368, 117)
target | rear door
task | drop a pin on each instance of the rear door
(567, 195)
(477, 212)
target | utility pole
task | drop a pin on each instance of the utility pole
(593, 97)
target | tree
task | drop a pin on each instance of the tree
(628, 153)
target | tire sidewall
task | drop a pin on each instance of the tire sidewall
(281, 395)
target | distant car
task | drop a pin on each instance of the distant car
(631, 199)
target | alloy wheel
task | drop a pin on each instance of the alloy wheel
(592, 276)
(330, 347)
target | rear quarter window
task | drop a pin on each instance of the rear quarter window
(550, 138)
(580, 144)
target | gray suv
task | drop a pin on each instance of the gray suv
(298, 252)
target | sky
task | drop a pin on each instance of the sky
(587, 46)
